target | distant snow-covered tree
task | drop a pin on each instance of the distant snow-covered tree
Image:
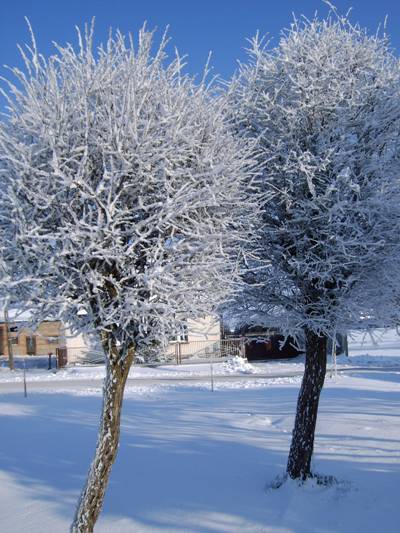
(325, 107)
(121, 198)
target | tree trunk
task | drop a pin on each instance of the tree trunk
(92, 496)
(301, 449)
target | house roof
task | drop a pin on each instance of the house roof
(15, 315)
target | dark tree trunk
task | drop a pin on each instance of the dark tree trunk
(92, 496)
(301, 449)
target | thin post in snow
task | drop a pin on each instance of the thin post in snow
(334, 361)
(242, 348)
(212, 375)
(25, 391)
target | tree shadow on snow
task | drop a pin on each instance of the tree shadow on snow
(189, 460)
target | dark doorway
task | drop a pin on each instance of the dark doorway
(270, 348)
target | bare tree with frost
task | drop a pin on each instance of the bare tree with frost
(325, 107)
(121, 197)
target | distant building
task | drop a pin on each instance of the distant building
(199, 338)
(264, 343)
(44, 340)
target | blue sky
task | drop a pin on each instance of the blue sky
(196, 27)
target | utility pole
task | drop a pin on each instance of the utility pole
(8, 339)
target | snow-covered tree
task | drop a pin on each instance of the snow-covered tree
(324, 105)
(121, 197)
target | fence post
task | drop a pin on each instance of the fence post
(242, 348)
(62, 357)
(25, 391)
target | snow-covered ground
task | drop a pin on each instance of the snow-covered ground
(200, 462)
(235, 365)
(383, 349)
(381, 346)
(195, 461)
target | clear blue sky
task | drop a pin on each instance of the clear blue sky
(196, 26)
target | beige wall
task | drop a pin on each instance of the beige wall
(204, 329)
(204, 335)
(80, 348)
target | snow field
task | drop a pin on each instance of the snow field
(195, 461)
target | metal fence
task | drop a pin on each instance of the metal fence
(83, 354)
(175, 352)
(204, 349)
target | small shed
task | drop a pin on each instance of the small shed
(266, 343)
(272, 346)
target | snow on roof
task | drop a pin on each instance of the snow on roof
(15, 314)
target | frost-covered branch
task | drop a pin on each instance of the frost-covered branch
(324, 106)
(122, 203)
(121, 189)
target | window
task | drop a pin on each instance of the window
(31, 345)
(14, 340)
(182, 335)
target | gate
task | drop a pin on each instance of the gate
(62, 358)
